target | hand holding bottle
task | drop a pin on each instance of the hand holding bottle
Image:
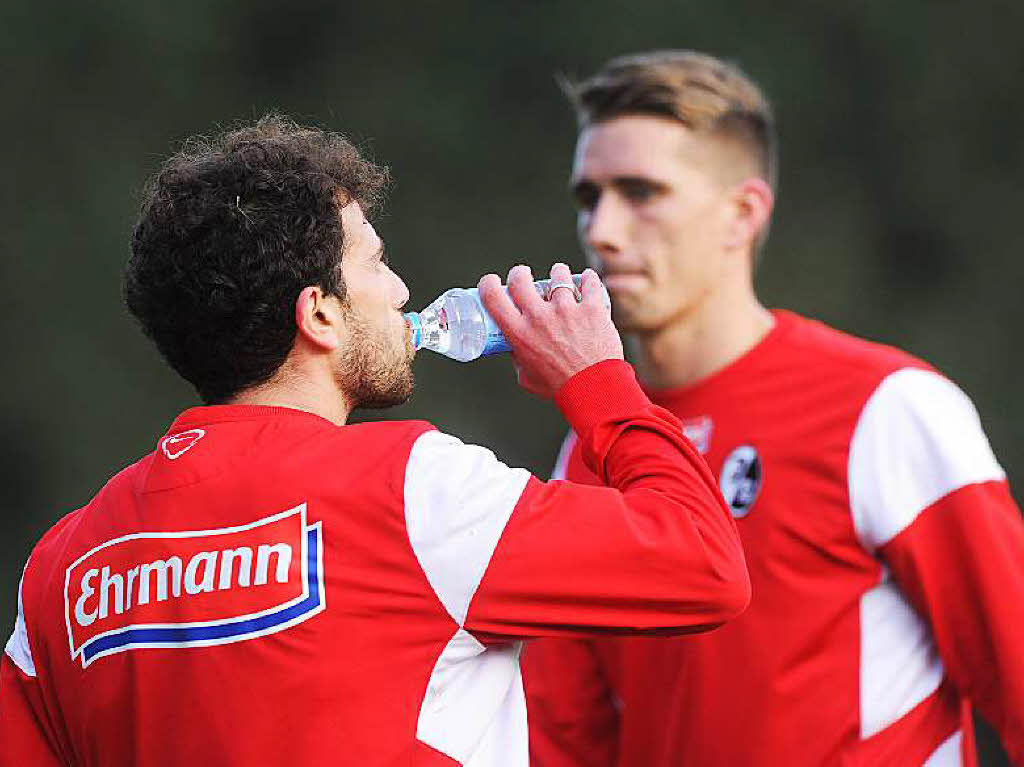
(555, 339)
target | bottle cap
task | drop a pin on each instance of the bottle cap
(412, 321)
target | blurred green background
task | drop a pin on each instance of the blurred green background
(897, 217)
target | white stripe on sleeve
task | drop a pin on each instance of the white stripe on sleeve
(562, 461)
(918, 439)
(18, 649)
(458, 499)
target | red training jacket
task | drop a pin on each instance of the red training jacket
(886, 557)
(267, 588)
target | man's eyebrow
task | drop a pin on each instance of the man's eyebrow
(626, 181)
(584, 184)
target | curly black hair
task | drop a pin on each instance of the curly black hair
(231, 229)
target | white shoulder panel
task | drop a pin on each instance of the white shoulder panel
(475, 710)
(918, 439)
(17, 646)
(562, 461)
(458, 499)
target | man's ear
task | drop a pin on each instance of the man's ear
(752, 207)
(318, 319)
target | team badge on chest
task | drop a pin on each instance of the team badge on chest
(740, 479)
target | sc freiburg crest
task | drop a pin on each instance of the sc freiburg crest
(741, 479)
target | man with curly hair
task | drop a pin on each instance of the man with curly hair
(274, 586)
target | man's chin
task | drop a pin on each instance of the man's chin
(637, 317)
(382, 403)
(396, 392)
(630, 322)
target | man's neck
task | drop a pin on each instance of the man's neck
(292, 390)
(701, 343)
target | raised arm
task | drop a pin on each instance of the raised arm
(653, 551)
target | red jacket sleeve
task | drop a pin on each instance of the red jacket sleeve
(961, 563)
(511, 557)
(24, 733)
(23, 739)
(654, 551)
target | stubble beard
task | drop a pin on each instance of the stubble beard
(375, 372)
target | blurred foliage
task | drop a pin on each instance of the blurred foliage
(896, 218)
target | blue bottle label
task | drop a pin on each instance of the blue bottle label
(496, 342)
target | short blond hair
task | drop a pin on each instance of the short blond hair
(703, 93)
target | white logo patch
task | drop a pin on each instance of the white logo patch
(177, 445)
(698, 431)
(194, 588)
(741, 479)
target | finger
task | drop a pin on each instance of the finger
(499, 305)
(520, 288)
(561, 297)
(590, 288)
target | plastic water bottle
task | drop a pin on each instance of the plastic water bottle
(457, 325)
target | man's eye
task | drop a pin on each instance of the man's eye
(586, 197)
(638, 192)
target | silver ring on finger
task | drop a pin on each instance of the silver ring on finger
(568, 286)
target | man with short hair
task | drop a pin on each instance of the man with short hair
(271, 586)
(885, 551)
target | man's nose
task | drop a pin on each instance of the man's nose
(603, 226)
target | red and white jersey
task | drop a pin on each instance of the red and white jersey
(886, 559)
(267, 588)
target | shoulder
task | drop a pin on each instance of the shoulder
(835, 350)
(918, 438)
(440, 480)
(439, 462)
(364, 448)
(911, 435)
(817, 372)
(458, 499)
(41, 576)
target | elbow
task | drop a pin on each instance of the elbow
(731, 579)
(727, 592)
(712, 601)
(720, 600)
(735, 594)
